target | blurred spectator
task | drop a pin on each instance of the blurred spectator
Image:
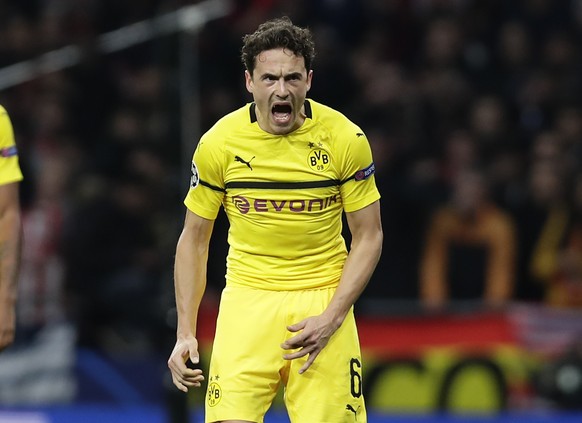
(113, 267)
(568, 127)
(470, 248)
(42, 290)
(542, 219)
(460, 153)
(565, 283)
(488, 120)
(515, 51)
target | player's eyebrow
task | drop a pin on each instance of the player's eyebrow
(289, 76)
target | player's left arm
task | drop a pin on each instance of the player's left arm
(366, 229)
(315, 332)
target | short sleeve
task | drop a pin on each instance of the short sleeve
(206, 191)
(9, 168)
(358, 186)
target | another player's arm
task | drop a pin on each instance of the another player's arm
(366, 229)
(190, 284)
(10, 238)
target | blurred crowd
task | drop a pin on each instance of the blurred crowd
(472, 107)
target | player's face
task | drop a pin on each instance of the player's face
(279, 84)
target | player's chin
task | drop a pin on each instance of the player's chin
(280, 128)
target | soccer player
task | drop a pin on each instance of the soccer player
(284, 168)
(10, 229)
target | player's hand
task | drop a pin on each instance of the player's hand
(314, 334)
(183, 376)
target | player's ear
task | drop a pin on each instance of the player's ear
(309, 78)
(249, 81)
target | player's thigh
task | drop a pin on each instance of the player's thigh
(331, 389)
(246, 358)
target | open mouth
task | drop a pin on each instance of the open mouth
(281, 113)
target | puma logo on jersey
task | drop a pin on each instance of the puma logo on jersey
(353, 410)
(241, 160)
(359, 134)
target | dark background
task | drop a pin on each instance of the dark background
(100, 142)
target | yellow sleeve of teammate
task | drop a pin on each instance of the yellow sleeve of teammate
(206, 191)
(358, 187)
(9, 169)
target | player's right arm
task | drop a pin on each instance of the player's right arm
(202, 202)
(190, 284)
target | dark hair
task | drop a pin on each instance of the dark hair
(278, 33)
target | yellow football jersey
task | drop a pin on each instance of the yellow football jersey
(283, 195)
(9, 169)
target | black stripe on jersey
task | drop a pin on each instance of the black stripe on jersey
(306, 106)
(277, 185)
(283, 185)
(212, 187)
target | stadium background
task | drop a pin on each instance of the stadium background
(106, 123)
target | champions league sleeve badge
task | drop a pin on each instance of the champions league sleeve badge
(365, 173)
(195, 179)
(9, 151)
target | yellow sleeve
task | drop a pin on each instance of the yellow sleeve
(358, 187)
(207, 190)
(9, 168)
